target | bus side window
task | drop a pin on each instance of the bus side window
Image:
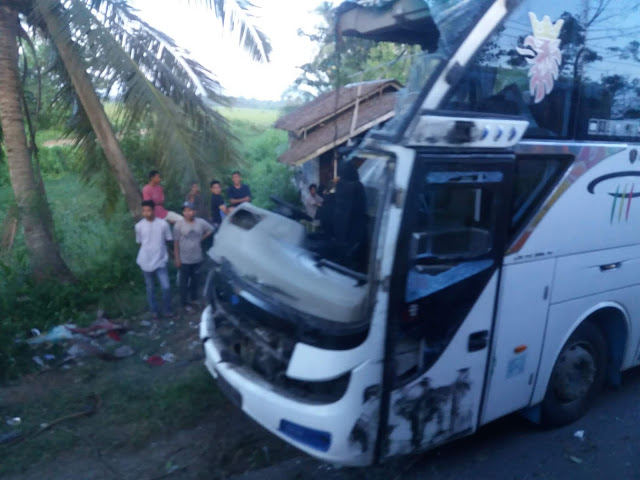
(451, 244)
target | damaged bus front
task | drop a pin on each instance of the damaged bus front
(296, 324)
(438, 295)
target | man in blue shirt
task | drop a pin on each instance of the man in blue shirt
(238, 192)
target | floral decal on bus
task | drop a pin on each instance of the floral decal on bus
(542, 52)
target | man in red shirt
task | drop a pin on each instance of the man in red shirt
(153, 191)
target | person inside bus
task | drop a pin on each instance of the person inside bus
(350, 218)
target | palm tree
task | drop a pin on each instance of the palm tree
(153, 78)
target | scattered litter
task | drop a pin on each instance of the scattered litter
(155, 360)
(113, 335)
(14, 422)
(123, 351)
(169, 357)
(145, 323)
(35, 332)
(49, 357)
(99, 327)
(579, 434)
(39, 361)
(57, 333)
(575, 459)
(10, 437)
(82, 349)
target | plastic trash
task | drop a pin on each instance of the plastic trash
(113, 335)
(99, 327)
(169, 357)
(123, 351)
(579, 434)
(49, 357)
(575, 459)
(83, 349)
(14, 422)
(56, 334)
(155, 360)
(39, 361)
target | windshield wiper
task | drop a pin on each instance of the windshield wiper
(361, 278)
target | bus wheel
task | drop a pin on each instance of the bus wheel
(577, 376)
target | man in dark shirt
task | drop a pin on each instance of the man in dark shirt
(238, 192)
(218, 208)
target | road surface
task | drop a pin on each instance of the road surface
(514, 449)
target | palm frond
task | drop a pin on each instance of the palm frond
(237, 18)
(157, 84)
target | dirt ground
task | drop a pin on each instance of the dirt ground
(151, 422)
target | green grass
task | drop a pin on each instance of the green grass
(100, 251)
(259, 118)
(48, 135)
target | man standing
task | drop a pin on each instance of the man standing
(151, 234)
(188, 233)
(195, 197)
(238, 192)
(153, 191)
(313, 201)
(218, 208)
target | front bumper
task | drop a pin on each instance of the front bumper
(274, 409)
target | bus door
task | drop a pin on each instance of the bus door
(443, 296)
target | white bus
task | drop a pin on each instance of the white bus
(486, 258)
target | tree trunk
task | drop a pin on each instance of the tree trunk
(46, 261)
(95, 112)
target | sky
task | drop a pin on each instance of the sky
(196, 29)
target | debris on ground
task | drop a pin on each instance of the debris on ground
(169, 357)
(86, 348)
(56, 334)
(579, 434)
(14, 422)
(99, 327)
(155, 360)
(10, 437)
(123, 351)
(39, 361)
(575, 459)
(85, 342)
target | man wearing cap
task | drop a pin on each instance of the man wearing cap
(187, 234)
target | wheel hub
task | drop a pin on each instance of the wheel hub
(574, 374)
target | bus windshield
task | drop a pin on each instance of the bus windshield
(453, 20)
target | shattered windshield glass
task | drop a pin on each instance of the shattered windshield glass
(454, 20)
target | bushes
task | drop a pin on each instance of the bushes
(260, 147)
(101, 252)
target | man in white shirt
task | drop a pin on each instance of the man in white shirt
(313, 201)
(152, 233)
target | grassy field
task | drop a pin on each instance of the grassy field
(260, 118)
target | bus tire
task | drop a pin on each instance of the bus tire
(577, 377)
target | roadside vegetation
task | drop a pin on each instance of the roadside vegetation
(96, 235)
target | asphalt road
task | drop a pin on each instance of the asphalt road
(514, 449)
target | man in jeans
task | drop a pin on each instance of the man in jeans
(152, 233)
(188, 235)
